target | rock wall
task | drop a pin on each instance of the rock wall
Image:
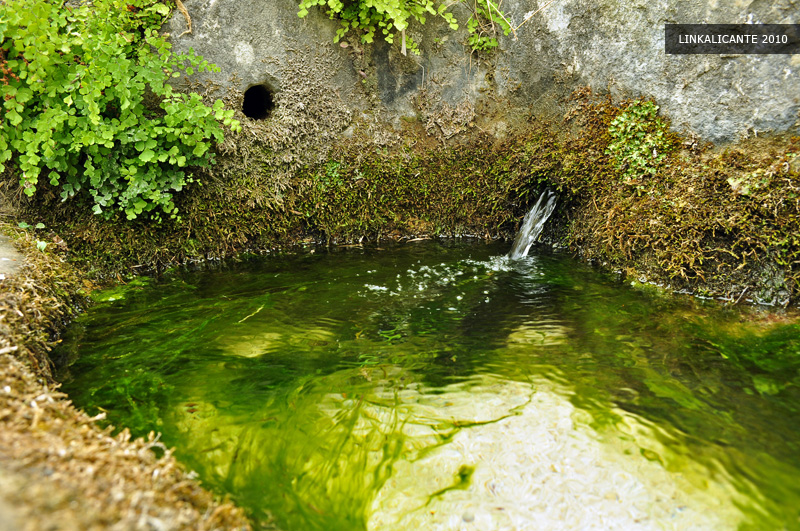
(608, 45)
(620, 45)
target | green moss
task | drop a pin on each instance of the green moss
(721, 220)
(37, 301)
(693, 224)
(359, 192)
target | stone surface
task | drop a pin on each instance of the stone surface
(10, 259)
(607, 45)
(620, 45)
(253, 42)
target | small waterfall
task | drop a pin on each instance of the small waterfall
(532, 224)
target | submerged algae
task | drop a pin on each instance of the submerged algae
(423, 361)
(58, 468)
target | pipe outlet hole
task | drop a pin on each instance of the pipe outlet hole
(258, 102)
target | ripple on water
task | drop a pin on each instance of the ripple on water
(539, 466)
(441, 389)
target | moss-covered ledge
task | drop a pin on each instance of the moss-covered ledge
(720, 222)
(58, 468)
(713, 221)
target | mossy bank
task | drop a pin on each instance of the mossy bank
(59, 468)
(712, 221)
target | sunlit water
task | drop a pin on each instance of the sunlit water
(443, 386)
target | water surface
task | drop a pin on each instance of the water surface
(441, 386)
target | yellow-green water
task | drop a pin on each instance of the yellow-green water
(440, 386)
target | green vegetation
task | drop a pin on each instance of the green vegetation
(35, 306)
(388, 17)
(40, 245)
(86, 105)
(360, 192)
(639, 141)
(691, 224)
(24, 225)
(720, 221)
(481, 26)
(235, 367)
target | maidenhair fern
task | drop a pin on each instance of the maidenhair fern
(390, 18)
(74, 81)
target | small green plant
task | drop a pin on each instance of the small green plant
(639, 141)
(391, 18)
(330, 178)
(40, 245)
(749, 182)
(85, 104)
(24, 225)
(391, 336)
(481, 27)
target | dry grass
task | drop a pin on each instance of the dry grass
(58, 469)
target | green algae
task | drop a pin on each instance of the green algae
(120, 291)
(462, 481)
(302, 384)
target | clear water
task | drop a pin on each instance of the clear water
(343, 390)
(532, 225)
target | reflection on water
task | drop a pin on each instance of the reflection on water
(445, 387)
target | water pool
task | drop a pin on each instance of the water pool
(440, 385)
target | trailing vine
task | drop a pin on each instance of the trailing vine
(391, 18)
(86, 104)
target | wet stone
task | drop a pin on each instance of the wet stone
(10, 258)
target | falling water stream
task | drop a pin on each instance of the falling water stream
(532, 225)
(443, 385)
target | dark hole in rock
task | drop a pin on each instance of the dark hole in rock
(258, 102)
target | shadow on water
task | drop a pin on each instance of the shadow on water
(309, 387)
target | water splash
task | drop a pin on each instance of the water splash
(532, 224)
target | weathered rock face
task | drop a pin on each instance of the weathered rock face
(620, 45)
(252, 40)
(604, 44)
